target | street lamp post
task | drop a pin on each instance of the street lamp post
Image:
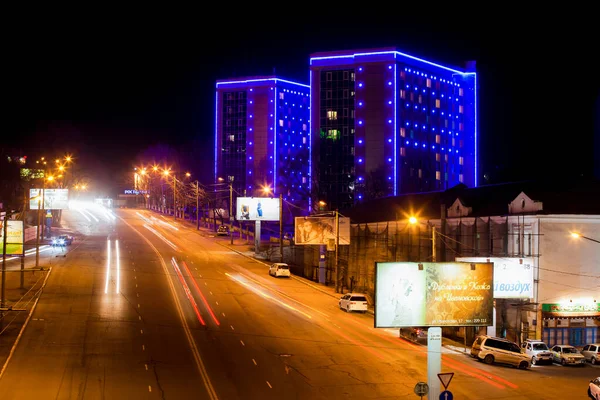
(281, 226)
(337, 242)
(197, 205)
(231, 209)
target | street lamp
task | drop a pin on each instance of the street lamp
(413, 220)
(577, 236)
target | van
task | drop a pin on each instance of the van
(492, 350)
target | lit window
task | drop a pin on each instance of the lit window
(446, 160)
(303, 179)
(281, 95)
(438, 175)
(460, 91)
(461, 161)
(438, 139)
(280, 122)
(304, 127)
(460, 178)
(428, 82)
(420, 173)
(437, 157)
(333, 134)
(402, 94)
(420, 99)
(352, 76)
(461, 126)
(437, 103)
(453, 142)
(331, 115)
(403, 151)
(460, 109)
(232, 138)
(304, 140)
(402, 132)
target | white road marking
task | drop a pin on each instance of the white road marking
(271, 387)
(232, 327)
(254, 361)
(242, 342)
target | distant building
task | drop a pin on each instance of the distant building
(262, 137)
(386, 123)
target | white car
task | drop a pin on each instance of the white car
(354, 302)
(594, 389)
(591, 352)
(567, 355)
(279, 269)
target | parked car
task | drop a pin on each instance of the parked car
(594, 389)
(279, 269)
(354, 302)
(492, 350)
(538, 350)
(62, 240)
(223, 230)
(591, 354)
(415, 334)
(566, 354)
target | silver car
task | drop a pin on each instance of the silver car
(538, 350)
(567, 355)
(591, 353)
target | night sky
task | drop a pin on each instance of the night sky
(107, 90)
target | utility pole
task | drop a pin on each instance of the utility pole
(231, 209)
(433, 243)
(23, 256)
(337, 242)
(197, 209)
(174, 197)
(4, 235)
(281, 225)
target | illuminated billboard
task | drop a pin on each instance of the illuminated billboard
(433, 294)
(14, 238)
(54, 199)
(257, 209)
(513, 277)
(321, 230)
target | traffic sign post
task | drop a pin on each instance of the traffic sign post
(421, 389)
(445, 378)
(446, 395)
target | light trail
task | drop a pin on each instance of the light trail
(266, 296)
(188, 293)
(118, 266)
(164, 239)
(210, 310)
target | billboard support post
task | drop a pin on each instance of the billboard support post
(281, 225)
(433, 243)
(337, 242)
(230, 211)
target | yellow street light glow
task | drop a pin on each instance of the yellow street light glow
(575, 235)
(412, 220)
(266, 189)
(188, 174)
(166, 172)
(61, 168)
(50, 178)
(155, 168)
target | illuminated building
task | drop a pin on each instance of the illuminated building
(262, 137)
(386, 123)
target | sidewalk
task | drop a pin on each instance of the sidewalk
(245, 248)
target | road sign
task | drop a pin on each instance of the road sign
(421, 389)
(445, 378)
(446, 395)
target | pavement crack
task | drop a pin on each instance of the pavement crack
(162, 391)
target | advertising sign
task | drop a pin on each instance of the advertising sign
(257, 209)
(513, 277)
(571, 310)
(54, 199)
(321, 230)
(14, 238)
(433, 294)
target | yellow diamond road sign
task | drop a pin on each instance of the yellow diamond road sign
(445, 378)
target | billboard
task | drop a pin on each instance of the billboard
(321, 230)
(433, 294)
(14, 238)
(513, 277)
(54, 199)
(257, 209)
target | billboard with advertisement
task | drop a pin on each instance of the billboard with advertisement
(321, 230)
(257, 209)
(433, 294)
(513, 277)
(14, 238)
(54, 199)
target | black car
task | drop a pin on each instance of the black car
(223, 231)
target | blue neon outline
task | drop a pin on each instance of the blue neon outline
(216, 130)
(310, 172)
(395, 53)
(395, 135)
(476, 130)
(276, 125)
(275, 80)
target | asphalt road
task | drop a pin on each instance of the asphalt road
(144, 307)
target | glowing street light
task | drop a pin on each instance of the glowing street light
(577, 236)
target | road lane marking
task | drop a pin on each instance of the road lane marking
(143, 348)
(210, 292)
(254, 361)
(217, 302)
(149, 388)
(232, 327)
(223, 314)
(270, 387)
(242, 342)
(146, 365)
(142, 331)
